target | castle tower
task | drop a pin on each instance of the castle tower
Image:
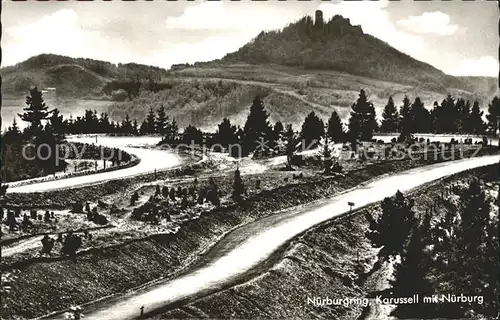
(318, 21)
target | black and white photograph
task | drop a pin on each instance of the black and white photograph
(250, 160)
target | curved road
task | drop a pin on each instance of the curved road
(151, 159)
(247, 247)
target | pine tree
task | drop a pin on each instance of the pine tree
(150, 122)
(393, 227)
(135, 127)
(277, 130)
(36, 112)
(226, 136)
(104, 124)
(126, 126)
(493, 115)
(476, 124)
(448, 117)
(411, 278)
(12, 135)
(406, 120)
(475, 215)
(56, 122)
(335, 128)
(362, 122)
(90, 121)
(312, 129)
(419, 117)
(464, 122)
(193, 135)
(171, 132)
(390, 117)
(257, 128)
(161, 121)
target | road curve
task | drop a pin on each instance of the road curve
(247, 247)
(151, 159)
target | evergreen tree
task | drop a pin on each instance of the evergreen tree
(406, 120)
(393, 228)
(362, 122)
(419, 117)
(171, 132)
(312, 129)
(126, 126)
(464, 118)
(150, 122)
(493, 115)
(135, 127)
(390, 117)
(192, 134)
(476, 124)
(56, 122)
(90, 121)
(278, 130)
(36, 112)
(475, 216)
(226, 136)
(257, 128)
(161, 121)
(411, 278)
(104, 123)
(148, 125)
(335, 128)
(490, 269)
(447, 118)
(12, 135)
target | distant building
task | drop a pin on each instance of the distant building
(318, 21)
(49, 92)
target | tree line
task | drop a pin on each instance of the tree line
(258, 135)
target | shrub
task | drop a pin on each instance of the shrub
(77, 207)
(100, 219)
(238, 186)
(164, 192)
(46, 217)
(47, 245)
(134, 198)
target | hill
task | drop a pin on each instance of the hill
(72, 77)
(338, 45)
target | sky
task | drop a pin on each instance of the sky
(457, 37)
